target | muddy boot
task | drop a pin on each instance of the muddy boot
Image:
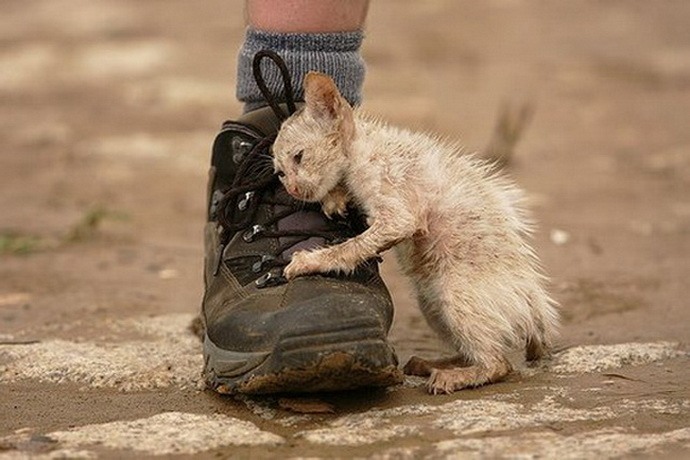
(264, 334)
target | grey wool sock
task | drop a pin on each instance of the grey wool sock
(335, 54)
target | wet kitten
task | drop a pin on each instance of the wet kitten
(458, 229)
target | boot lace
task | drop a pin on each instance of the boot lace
(255, 183)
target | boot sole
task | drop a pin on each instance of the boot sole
(331, 361)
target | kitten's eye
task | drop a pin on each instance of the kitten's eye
(298, 157)
(280, 173)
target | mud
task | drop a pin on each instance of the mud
(107, 113)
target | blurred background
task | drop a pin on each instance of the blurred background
(108, 110)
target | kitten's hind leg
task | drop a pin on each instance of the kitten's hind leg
(424, 367)
(473, 325)
(448, 380)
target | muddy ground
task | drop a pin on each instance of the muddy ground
(107, 113)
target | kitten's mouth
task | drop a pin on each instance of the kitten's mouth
(299, 193)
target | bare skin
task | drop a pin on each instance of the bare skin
(458, 229)
(307, 16)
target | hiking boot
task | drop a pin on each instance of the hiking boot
(264, 334)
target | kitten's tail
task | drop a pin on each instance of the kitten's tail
(535, 350)
(510, 126)
(540, 342)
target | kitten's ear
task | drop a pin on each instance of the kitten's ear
(324, 100)
(322, 96)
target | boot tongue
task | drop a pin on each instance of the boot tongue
(301, 220)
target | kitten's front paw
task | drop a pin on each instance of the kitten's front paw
(333, 207)
(303, 263)
(335, 203)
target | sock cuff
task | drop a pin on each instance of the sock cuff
(334, 53)
(291, 41)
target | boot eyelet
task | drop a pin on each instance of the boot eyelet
(258, 266)
(261, 282)
(240, 148)
(269, 279)
(244, 203)
(249, 235)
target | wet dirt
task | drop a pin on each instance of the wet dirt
(107, 113)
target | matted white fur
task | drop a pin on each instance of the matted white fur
(459, 228)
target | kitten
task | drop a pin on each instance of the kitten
(458, 229)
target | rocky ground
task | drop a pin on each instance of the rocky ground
(108, 110)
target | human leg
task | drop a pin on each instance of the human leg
(325, 36)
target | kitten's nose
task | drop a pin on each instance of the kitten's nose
(293, 190)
